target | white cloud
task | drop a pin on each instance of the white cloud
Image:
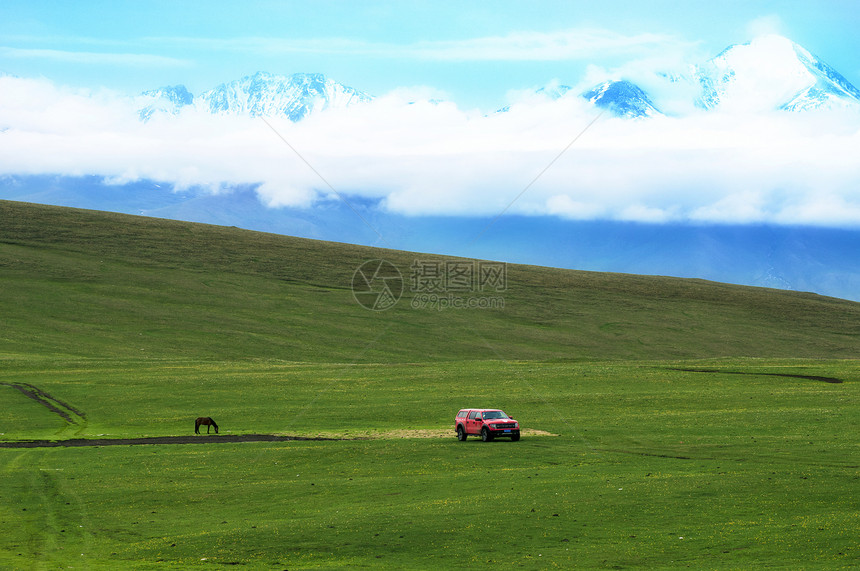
(563, 206)
(567, 44)
(571, 44)
(769, 24)
(422, 157)
(81, 57)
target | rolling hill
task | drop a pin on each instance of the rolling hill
(102, 285)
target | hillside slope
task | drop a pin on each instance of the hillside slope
(101, 285)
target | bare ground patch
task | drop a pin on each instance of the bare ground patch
(231, 438)
(74, 416)
(414, 433)
(204, 439)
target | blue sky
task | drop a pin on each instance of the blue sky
(473, 52)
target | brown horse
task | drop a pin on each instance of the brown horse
(206, 421)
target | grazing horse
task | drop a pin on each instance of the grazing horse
(207, 421)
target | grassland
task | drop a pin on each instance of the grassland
(101, 285)
(685, 426)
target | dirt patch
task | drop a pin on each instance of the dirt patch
(74, 416)
(419, 433)
(789, 375)
(231, 438)
(211, 439)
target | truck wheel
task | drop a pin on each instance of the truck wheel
(485, 435)
(461, 434)
(515, 437)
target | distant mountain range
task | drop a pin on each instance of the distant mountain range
(294, 96)
(769, 73)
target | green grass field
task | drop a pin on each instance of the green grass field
(685, 424)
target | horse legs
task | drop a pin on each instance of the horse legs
(208, 422)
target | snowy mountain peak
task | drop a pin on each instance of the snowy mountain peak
(170, 99)
(766, 74)
(554, 90)
(268, 94)
(294, 96)
(771, 72)
(623, 98)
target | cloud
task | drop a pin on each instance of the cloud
(769, 24)
(423, 157)
(93, 58)
(568, 44)
(572, 44)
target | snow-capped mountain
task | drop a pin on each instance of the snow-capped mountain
(623, 98)
(170, 100)
(771, 72)
(554, 90)
(768, 73)
(294, 96)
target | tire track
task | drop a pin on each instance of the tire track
(66, 411)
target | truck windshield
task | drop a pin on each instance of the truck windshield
(494, 414)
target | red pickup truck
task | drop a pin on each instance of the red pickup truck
(488, 423)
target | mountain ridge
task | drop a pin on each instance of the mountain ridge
(95, 284)
(294, 96)
(770, 73)
(797, 258)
